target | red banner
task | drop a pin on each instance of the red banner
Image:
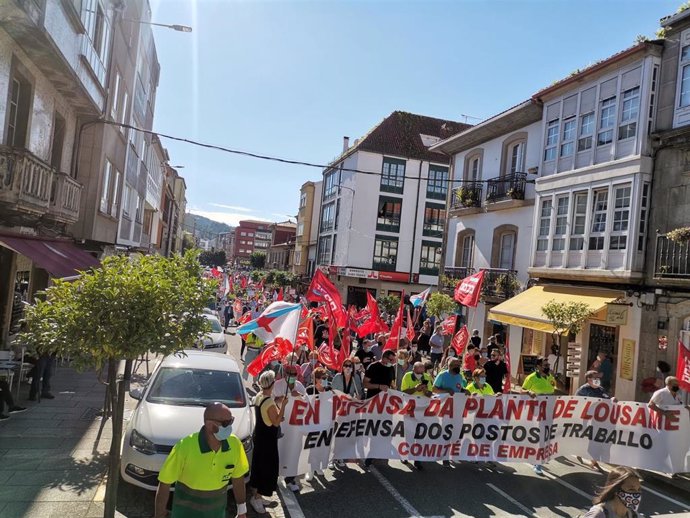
(305, 333)
(448, 325)
(468, 290)
(394, 339)
(459, 341)
(322, 289)
(272, 352)
(371, 319)
(410, 327)
(280, 295)
(683, 367)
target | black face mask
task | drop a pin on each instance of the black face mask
(675, 389)
(456, 370)
(477, 356)
(546, 370)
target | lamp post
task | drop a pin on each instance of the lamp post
(175, 27)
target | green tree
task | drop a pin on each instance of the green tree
(440, 304)
(388, 303)
(120, 311)
(566, 318)
(213, 258)
(257, 260)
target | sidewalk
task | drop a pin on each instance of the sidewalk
(52, 462)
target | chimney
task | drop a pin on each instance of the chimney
(346, 144)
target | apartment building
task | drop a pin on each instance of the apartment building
(251, 236)
(307, 229)
(281, 252)
(381, 230)
(490, 209)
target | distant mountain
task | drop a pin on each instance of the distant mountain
(203, 227)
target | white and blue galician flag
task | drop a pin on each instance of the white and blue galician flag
(420, 298)
(279, 319)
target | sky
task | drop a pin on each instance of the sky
(290, 78)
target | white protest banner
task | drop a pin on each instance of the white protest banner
(507, 428)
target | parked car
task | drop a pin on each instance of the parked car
(171, 406)
(214, 340)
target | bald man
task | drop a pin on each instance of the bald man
(201, 466)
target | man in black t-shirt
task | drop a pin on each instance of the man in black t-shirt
(496, 370)
(366, 353)
(380, 375)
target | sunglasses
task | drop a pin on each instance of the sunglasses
(225, 423)
(347, 365)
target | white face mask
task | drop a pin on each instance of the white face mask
(347, 370)
(596, 382)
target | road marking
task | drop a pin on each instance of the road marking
(396, 494)
(566, 484)
(668, 498)
(291, 502)
(512, 500)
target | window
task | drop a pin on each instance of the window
(19, 110)
(544, 225)
(685, 77)
(126, 200)
(586, 131)
(302, 200)
(507, 251)
(58, 141)
(114, 207)
(324, 250)
(243, 233)
(123, 113)
(330, 184)
(643, 216)
(300, 229)
(599, 208)
(328, 217)
(607, 121)
(335, 237)
(475, 170)
(105, 189)
(138, 212)
(385, 253)
(393, 175)
(551, 140)
(629, 113)
(437, 184)
(621, 218)
(577, 234)
(559, 232)
(568, 141)
(115, 97)
(298, 257)
(388, 216)
(430, 259)
(467, 251)
(434, 220)
(517, 158)
(251, 234)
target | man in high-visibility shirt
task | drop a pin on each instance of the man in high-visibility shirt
(201, 465)
(417, 383)
(540, 382)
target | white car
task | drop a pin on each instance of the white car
(171, 406)
(214, 340)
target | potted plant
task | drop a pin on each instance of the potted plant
(468, 196)
(679, 235)
(515, 194)
(506, 284)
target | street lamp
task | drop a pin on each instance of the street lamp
(175, 27)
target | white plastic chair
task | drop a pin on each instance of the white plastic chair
(6, 356)
(9, 375)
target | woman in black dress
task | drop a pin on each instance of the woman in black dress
(264, 476)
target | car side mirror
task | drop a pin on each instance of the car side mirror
(136, 393)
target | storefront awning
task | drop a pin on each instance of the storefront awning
(58, 258)
(524, 310)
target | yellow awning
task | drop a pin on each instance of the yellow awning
(524, 309)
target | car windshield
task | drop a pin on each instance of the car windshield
(196, 387)
(215, 326)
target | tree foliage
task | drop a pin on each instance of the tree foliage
(257, 260)
(213, 258)
(440, 304)
(388, 303)
(566, 317)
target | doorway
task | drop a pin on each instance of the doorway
(356, 295)
(604, 339)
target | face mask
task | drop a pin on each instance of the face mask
(413, 350)
(401, 361)
(291, 380)
(313, 362)
(675, 389)
(484, 355)
(477, 356)
(223, 432)
(347, 370)
(546, 370)
(367, 348)
(451, 354)
(630, 500)
(418, 376)
(482, 380)
(596, 382)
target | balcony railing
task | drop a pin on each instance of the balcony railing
(452, 275)
(507, 186)
(500, 283)
(64, 199)
(672, 259)
(25, 181)
(469, 195)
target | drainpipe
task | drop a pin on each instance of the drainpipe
(416, 216)
(449, 197)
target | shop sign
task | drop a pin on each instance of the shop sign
(572, 368)
(617, 315)
(627, 359)
(361, 273)
(394, 276)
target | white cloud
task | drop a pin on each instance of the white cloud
(231, 207)
(286, 216)
(229, 218)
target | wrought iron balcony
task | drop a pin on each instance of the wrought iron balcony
(500, 283)
(452, 275)
(25, 182)
(64, 199)
(672, 259)
(469, 195)
(507, 186)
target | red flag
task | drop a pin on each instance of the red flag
(260, 286)
(237, 307)
(683, 367)
(272, 352)
(468, 290)
(410, 327)
(243, 320)
(280, 294)
(459, 341)
(327, 357)
(507, 385)
(305, 333)
(243, 282)
(393, 341)
(344, 350)
(448, 325)
(322, 289)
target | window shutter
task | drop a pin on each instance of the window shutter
(608, 89)
(569, 106)
(588, 99)
(631, 79)
(553, 111)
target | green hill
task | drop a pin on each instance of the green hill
(205, 228)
